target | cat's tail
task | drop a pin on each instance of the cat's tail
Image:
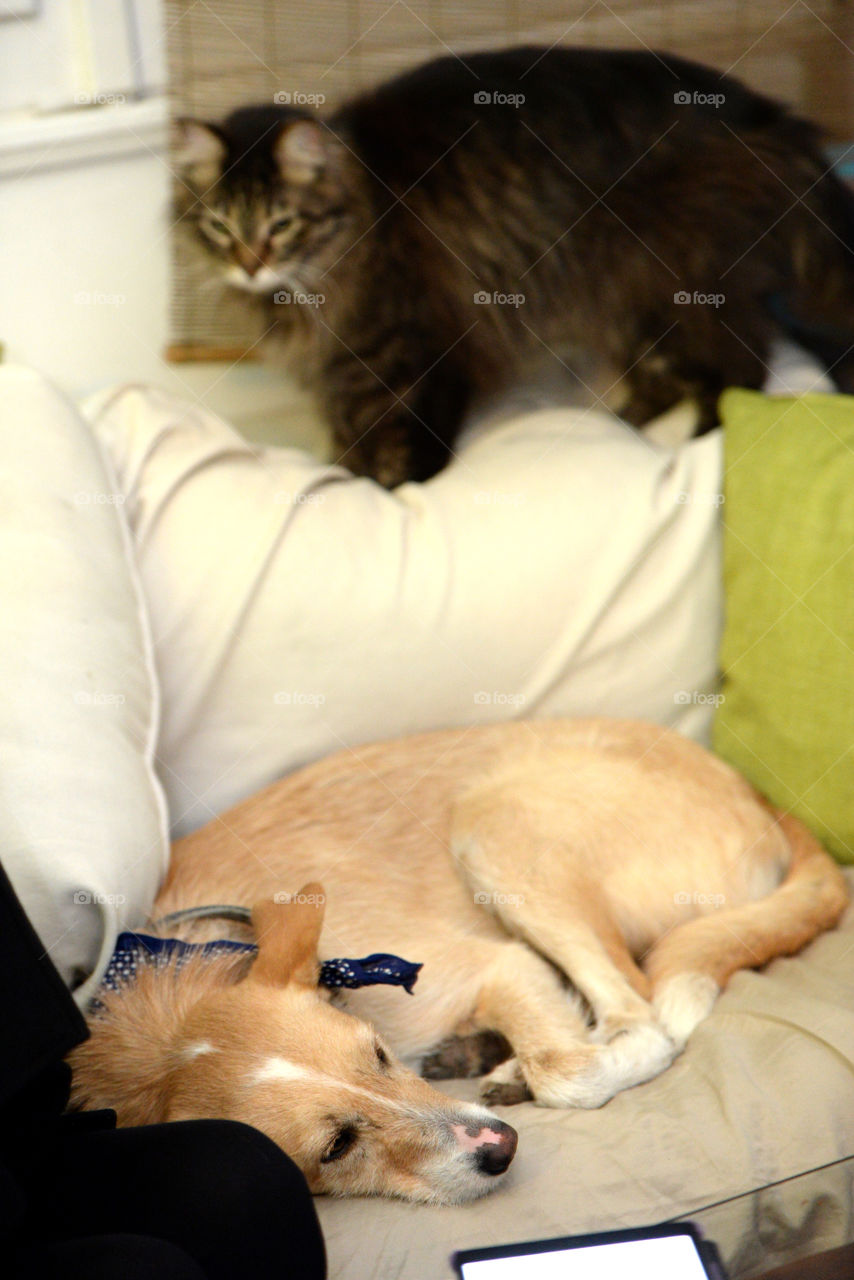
(818, 311)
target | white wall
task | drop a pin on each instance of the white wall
(56, 53)
(84, 188)
(84, 217)
(84, 214)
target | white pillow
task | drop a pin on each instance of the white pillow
(560, 565)
(82, 824)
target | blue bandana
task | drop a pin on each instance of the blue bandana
(135, 948)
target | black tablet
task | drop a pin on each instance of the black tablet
(670, 1252)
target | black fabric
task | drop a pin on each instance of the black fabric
(220, 1192)
(40, 1020)
(104, 1258)
(201, 1199)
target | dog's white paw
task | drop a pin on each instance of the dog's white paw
(682, 1002)
(632, 1057)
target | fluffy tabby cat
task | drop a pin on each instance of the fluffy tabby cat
(603, 188)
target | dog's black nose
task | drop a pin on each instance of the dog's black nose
(497, 1148)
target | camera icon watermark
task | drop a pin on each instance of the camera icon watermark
(497, 299)
(498, 699)
(93, 298)
(683, 98)
(86, 698)
(286, 498)
(296, 98)
(693, 898)
(299, 899)
(686, 499)
(695, 698)
(298, 698)
(683, 298)
(99, 99)
(497, 899)
(484, 98)
(88, 498)
(85, 898)
(287, 297)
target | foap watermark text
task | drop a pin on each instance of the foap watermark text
(496, 899)
(695, 698)
(483, 298)
(683, 298)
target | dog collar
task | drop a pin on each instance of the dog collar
(133, 949)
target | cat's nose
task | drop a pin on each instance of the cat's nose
(248, 259)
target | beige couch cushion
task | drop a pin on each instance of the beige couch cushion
(764, 1090)
(559, 566)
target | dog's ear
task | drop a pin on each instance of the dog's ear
(287, 932)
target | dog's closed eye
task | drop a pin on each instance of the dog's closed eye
(340, 1145)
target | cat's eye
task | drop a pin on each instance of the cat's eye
(382, 1056)
(342, 1143)
(280, 224)
(216, 227)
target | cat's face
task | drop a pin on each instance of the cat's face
(266, 198)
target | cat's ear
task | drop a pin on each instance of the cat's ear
(200, 150)
(302, 151)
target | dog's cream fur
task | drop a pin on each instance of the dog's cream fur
(511, 860)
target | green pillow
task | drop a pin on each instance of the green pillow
(786, 720)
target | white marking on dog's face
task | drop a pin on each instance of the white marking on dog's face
(280, 1069)
(323, 1085)
(197, 1050)
(283, 1071)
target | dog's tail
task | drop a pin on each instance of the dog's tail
(811, 898)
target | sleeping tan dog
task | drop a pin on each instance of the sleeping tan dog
(578, 892)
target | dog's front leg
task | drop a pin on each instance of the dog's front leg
(524, 998)
(554, 1061)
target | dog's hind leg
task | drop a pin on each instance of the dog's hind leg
(692, 963)
(560, 912)
(535, 890)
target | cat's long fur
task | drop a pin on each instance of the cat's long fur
(587, 198)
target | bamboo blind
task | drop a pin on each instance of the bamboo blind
(222, 53)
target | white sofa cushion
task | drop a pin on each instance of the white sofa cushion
(560, 565)
(83, 833)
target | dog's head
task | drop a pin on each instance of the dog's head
(266, 1046)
